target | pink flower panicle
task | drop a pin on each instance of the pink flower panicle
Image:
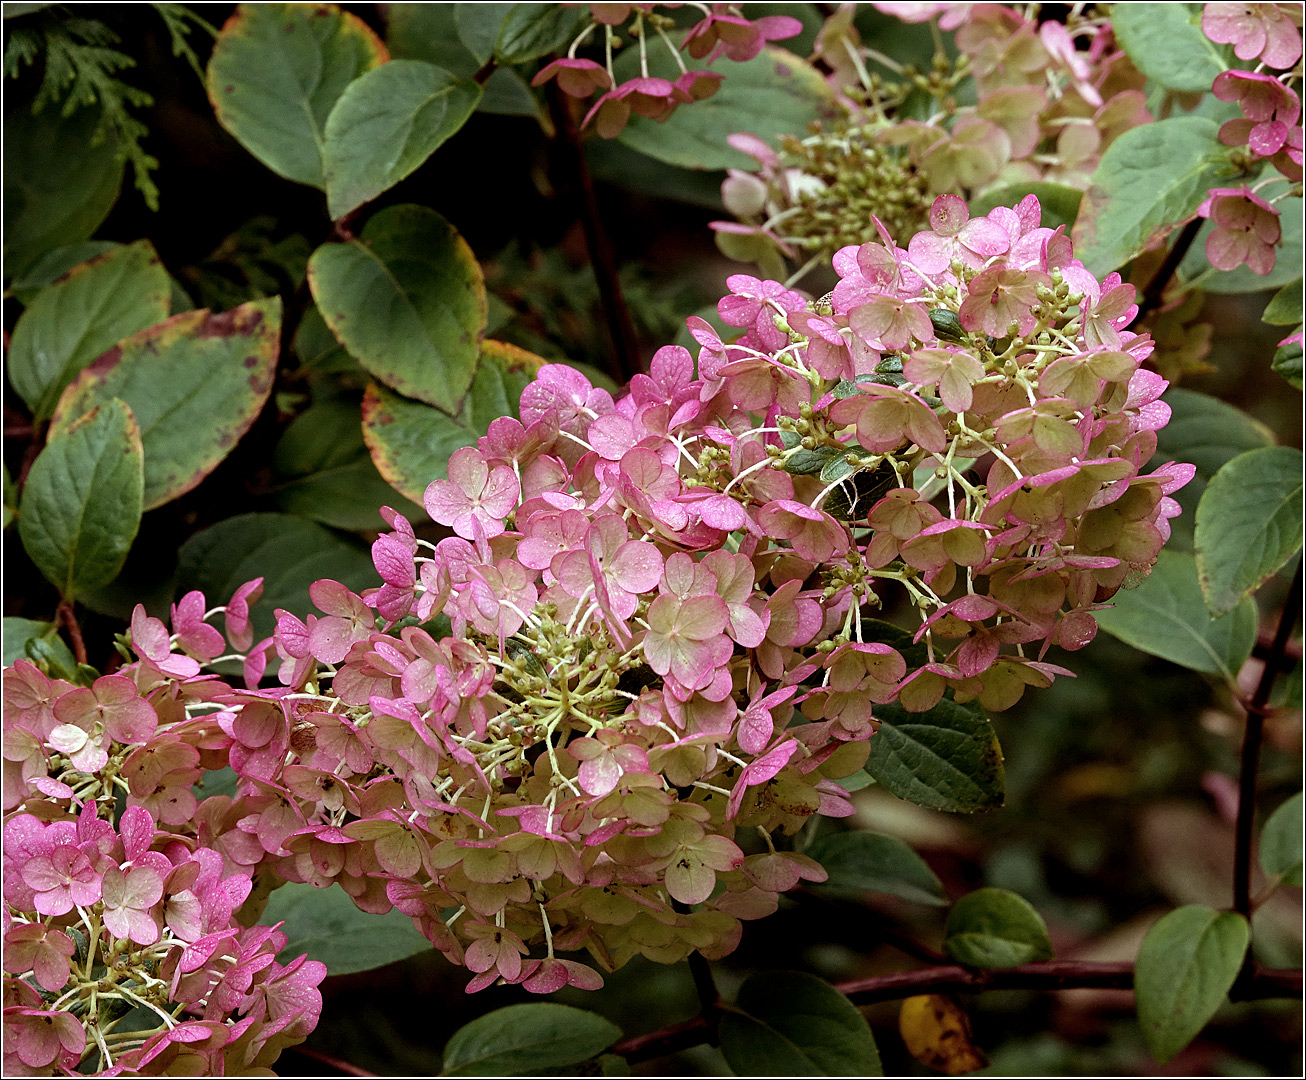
(659, 643)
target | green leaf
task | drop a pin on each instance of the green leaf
(289, 553)
(325, 924)
(946, 759)
(82, 503)
(860, 861)
(1287, 362)
(1166, 43)
(325, 473)
(60, 183)
(531, 30)
(1060, 203)
(410, 442)
(1186, 964)
(1287, 259)
(1281, 841)
(993, 928)
(786, 1023)
(520, 1040)
(407, 299)
(275, 74)
(1284, 308)
(478, 27)
(1166, 616)
(318, 350)
(1150, 179)
(771, 95)
(195, 382)
(1249, 523)
(84, 314)
(386, 123)
(16, 633)
(429, 32)
(53, 265)
(1206, 432)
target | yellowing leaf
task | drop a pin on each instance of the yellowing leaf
(936, 1032)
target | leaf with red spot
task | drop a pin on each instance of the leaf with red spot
(195, 383)
(276, 72)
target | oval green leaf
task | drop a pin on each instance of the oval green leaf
(71, 322)
(771, 95)
(51, 266)
(1186, 964)
(523, 1040)
(531, 30)
(1281, 842)
(195, 382)
(410, 442)
(16, 633)
(862, 861)
(946, 759)
(478, 27)
(325, 924)
(1249, 523)
(1287, 361)
(407, 299)
(1166, 616)
(1206, 432)
(993, 928)
(288, 553)
(386, 123)
(275, 74)
(60, 183)
(787, 1023)
(1166, 43)
(1284, 308)
(81, 506)
(1150, 179)
(324, 472)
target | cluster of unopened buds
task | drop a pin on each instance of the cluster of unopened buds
(1049, 98)
(1247, 226)
(588, 720)
(723, 31)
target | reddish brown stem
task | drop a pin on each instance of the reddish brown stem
(1155, 290)
(64, 614)
(1251, 751)
(955, 979)
(342, 1067)
(624, 343)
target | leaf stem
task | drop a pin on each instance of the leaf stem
(64, 614)
(1155, 288)
(625, 346)
(1256, 710)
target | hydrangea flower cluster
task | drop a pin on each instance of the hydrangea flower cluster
(1247, 227)
(123, 950)
(1050, 98)
(586, 721)
(723, 31)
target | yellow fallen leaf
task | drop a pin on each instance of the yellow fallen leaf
(937, 1034)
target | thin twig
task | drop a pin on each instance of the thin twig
(1262, 983)
(624, 343)
(65, 614)
(1256, 709)
(342, 1067)
(1155, 288)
